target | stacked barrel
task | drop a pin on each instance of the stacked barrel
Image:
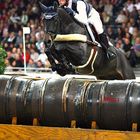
(57, 101)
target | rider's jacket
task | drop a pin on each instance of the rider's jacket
(88, 6)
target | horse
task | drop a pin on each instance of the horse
(71, 50)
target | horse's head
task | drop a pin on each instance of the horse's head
(58, 21)
(49, 18)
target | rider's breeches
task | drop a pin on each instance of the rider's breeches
(94, 19)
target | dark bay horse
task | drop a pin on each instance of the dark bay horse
(72, 47)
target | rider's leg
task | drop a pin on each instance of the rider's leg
(105, 44)
(94, 19)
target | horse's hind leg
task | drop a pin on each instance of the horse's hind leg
(123, 67)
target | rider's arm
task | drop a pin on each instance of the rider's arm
(81, 16)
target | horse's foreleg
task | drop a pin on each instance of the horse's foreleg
(51, 59)
(63, 61)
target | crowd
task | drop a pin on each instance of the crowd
(121, 19)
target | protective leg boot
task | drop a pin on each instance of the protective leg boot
(105, 45)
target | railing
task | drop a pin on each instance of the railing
(20, 70)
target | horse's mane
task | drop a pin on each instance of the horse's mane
(68, 19)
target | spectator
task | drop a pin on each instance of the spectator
(111, 33)
(108, 8)
(135, 15)
(19, 38)
(27, 55)
(14, 18)
(119, 45)
(137, 4)
(126, 47)
(105, 18)
(129, 6)
(8, 65)
(31, 65)
(136, 47)
(119, 33)
(135, 52)
(39, 42)
(18, 60)
(39, 65)
(136, 33)
(43, 57)
(24, 18)
(121, 18)
(100, 7)
(11, 38)
(34, 55)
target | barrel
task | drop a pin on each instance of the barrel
(17, 98)
(28, 101)
(3, 82)
(57, 101)
(46, 100)
(60, 100)
(113, 104)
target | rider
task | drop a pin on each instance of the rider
(86, 14)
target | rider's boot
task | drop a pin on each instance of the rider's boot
(105, 45)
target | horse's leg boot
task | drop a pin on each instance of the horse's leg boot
(104, 42)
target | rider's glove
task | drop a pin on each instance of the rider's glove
(70, 11)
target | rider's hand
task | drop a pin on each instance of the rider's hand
(70, 11)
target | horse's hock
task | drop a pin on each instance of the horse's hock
(69, 108)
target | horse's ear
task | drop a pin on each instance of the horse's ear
(43, 7)
(55, 4)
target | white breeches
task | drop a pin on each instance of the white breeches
(94, 19)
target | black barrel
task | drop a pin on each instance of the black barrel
(14, 97)
(28, 101)
(57, 101)
(113, 104)
(60, 100)
(4, 88)
(18, 95)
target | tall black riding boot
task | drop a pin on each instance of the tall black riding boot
(105, 45)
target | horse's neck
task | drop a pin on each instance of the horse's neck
(78, 51)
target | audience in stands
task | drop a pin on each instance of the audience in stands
(121, 20)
